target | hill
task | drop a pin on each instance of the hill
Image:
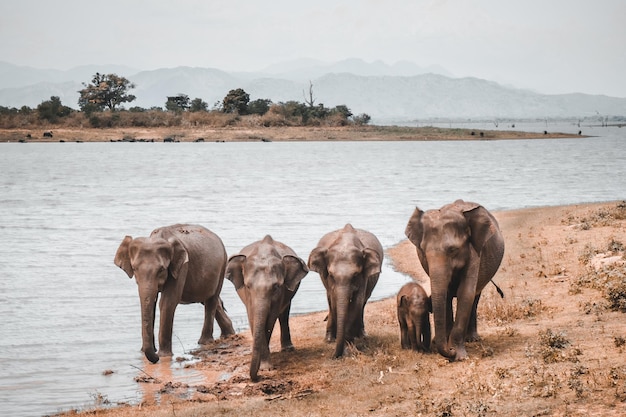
(402, 91)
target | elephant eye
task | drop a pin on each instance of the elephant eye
(452, 250)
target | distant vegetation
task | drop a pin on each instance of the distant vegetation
(101, 102)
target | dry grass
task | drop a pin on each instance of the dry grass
(542, 352)
(212, 127)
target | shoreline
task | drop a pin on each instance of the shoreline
(267, 134)
(508, 372)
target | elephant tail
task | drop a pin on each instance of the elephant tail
(498, 289)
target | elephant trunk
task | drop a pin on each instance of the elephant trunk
(148, 308)
(343, 303)
(260, 345)
(439, 286)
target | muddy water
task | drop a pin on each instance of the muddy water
(70, 316)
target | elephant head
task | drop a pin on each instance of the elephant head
(460, 248)
(153, 261)
(349, 262)
(266, 275)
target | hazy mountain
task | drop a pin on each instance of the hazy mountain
(13, 76)
(307, 69)
(401, 91)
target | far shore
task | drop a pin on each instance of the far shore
(265, 134)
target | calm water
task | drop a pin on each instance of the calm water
(68, 313)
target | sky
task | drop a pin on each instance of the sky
(549, 46)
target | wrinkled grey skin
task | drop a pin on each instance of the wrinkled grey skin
(349, 262)
(186, 264)
(460, 247)
(266, 275)
(414, 308)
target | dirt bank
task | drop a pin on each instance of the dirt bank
(268, 134)
(553, 346)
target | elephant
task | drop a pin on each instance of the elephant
(414, 308)
(186, 264)
(349, 262)
(460, 247)
(266, 275)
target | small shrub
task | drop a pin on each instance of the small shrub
(552, 345)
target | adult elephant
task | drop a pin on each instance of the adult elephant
(266, 275)
(186, 264)
(460, 247)
(349, 262)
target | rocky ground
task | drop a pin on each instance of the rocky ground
(555, 345)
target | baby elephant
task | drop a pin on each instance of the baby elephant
(414, 306)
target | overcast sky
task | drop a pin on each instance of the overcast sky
(550, 46)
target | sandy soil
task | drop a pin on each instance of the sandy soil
(552, 346)
(256, 134)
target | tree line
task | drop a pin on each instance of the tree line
(101, 103)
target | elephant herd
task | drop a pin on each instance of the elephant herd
(460, 247)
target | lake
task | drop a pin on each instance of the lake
(69, 313)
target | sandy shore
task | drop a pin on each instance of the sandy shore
(552, 346)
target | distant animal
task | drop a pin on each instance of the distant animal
(414, 308)
(266, 275)
(47, 134)
(349, 262)
(185, 264)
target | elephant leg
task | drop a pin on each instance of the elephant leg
(210, 306)
(464, 307)
(413, 335)
(285, 333)
(226, 325)
(166, 323)
(405, 343)
(472, 329)
(425, 330)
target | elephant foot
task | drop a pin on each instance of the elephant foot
(205, 340)
(227, 333)
(461, 354)
(165, 353)
(266, 366)
(289, 348)
(330, 338)
(472, 337)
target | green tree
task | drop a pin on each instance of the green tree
(236, 101)
(362, 119)
(177, 103)
(52, 110)
(259, 106)
(105, 91)
(343, 110)
(197, 104)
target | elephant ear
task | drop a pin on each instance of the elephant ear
(482, 226)
(317, 261)
(414, 229)
(179, 263)
(234, 270)
(415, 232)
(122, 256)
(295, 270)
(373, 264)
(402, 301)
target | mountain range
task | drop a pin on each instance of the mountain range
(402, 91)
